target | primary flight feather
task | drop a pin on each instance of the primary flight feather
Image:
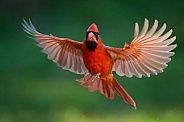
(147, 54)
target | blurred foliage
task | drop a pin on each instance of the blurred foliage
(33, 88)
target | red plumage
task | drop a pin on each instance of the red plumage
(147, 54)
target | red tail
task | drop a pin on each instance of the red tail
(108, 90)
(119, 90)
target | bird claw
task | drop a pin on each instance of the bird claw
(88, 76)
(96, 76)
(86, 73)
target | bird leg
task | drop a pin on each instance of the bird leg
(97, 75)
(88, 79)
(86, 73)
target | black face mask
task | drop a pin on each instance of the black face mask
(91, 44)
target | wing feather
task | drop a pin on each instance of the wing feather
(147, 54)
(65, 52)
(153, 29)
(145, 28)
(136, 31)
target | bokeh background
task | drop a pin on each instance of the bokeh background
(34, 89)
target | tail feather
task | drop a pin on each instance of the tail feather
(94, 86)
(122, 93)
(101, 87)
(105, 88)
(88, 83)
(97, 84)
(108, 90)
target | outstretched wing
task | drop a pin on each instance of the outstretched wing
(63, 51)
(147, 54)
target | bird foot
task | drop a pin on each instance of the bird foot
(97, 75)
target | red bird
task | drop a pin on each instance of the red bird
(147, 54)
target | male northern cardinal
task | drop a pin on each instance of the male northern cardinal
(147, 54)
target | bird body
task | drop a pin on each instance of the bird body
(147, 54)
(97, 60)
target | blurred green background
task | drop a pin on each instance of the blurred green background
(34, 89)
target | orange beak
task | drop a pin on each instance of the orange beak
(91, 37)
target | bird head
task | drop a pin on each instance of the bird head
(92, 37)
